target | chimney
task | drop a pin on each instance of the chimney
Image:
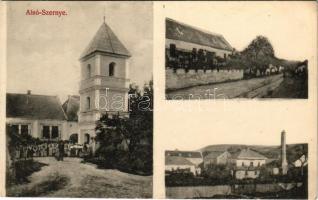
(283, 156)
(29, 92)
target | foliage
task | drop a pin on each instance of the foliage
(219, 172)
(126, 143)
(23, 169)
(260, 47)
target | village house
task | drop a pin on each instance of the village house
(194, 157)
(247, 164)
(216, 158)
(186, 45)
(175, 163)
(40, 116)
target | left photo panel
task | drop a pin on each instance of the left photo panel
(79, 99)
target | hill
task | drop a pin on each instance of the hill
(272, 152)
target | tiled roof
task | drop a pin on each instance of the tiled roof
(105, 40)
(185, 154)
(176, 160)
(34, 107)
(248, 154)
(71, 107)
(179, 31)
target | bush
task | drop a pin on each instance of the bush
(23, 169)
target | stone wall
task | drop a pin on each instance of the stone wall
(189, 192)
(181, 79)
(197, 191)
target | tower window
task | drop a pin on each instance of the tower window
(89, 71)
(111, 71)
(88, 103)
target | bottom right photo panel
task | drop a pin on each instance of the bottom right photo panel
(238, 170)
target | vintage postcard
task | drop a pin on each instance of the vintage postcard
(159, 100)
(79, 99)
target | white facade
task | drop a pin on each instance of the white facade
(44, 129)
(249, 162)
(101, 91)
(242, 174)
(192, 168)
(188, 46)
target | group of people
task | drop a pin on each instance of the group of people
(57, 149)
(193, 60)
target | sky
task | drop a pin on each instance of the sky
(43, 51)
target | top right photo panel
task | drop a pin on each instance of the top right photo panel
(237, 54)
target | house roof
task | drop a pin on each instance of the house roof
(179, 31)
(185, 154)
(248, 154)
(176, 160)
(34, 107)
(71, 107)
(213, 154)
(106, 41)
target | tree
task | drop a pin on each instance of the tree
(259, 47)
(129, 136)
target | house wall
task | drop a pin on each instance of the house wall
(241, 174)
(248, 161)
(35, 126)
(220, 160)
(71, 128)
(188, 46)
(175, 167)
(181, 79)
(223, 158)
(195, 161)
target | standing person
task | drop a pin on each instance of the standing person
(61, 150)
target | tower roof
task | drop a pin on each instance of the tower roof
(106, 41)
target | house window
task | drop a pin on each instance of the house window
(111, 71)
(172, 50)
(242, 164)
(46, 132)
(246, 173)
(88, 103)
(14, 129)
(258, 164)
(24, 130)
(225, 56)
(86, 138)
(255, 172)
(89, 69)
(55, 132)
(74, 138)
(251, 164)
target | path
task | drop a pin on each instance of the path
(85, 180)
(226, 90)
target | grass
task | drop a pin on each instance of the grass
(23, 169)
(54, 183)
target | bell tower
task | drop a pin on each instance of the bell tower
(104, 81)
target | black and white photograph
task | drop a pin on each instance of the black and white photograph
(79, 101)
(218, 54)
(227, 171)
